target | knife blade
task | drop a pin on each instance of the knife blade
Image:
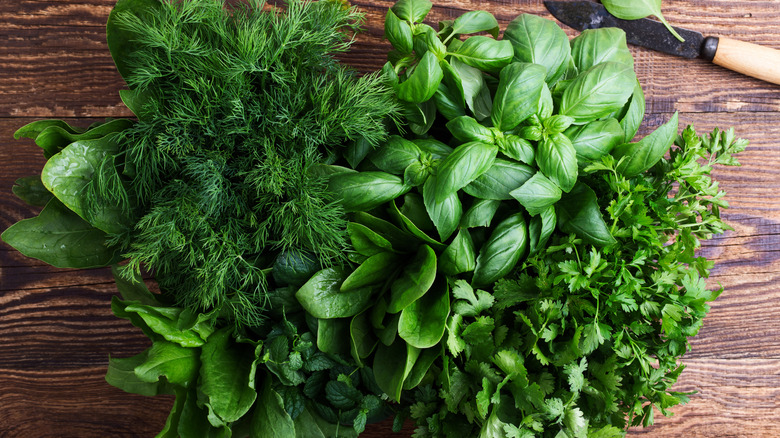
(746, 58)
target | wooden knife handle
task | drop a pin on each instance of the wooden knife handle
(746, 58)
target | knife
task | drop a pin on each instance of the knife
(746, 58)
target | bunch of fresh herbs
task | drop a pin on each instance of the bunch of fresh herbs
(509, 263)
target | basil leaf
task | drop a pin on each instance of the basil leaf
(357, 151)
(412, 228)
(414, 209)
(557, 160)
(366, 241)
(517, 148)
(453, 82)
(61, 238)
(499, 255)
(395, 155)
(31, 190)
(578, 212)
(423, 82)
(465, 164)
(635, 158)
(420, 116)
(428, 41)
(485, 53)
(540, 229)
(537, 194)
(423, 322)
(595, 139)
(636, 9)
(475, 90)
(475, 22)
(416, 174)
(437, 149)
(398, 33)
(362, 191)
(414, 282)
(540, 41)
(322, 298)
(594, 46)
(376, 269)
(392, 364)
(362, 339)
(448, 104)
(467, 129)
(498, 182)
(519, 91)
(598, 92)
(546, 103)
(445, 214)
(68, 174)
(413, 11)
(480, 214)
(634, 113)
(459, 256)
(227, 378)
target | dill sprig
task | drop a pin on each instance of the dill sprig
(240, 104)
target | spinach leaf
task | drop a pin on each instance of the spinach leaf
(595, 46)
(423, 322)
(635, 158)
(392, 364)
(269, 418)
(467, 162)
(499, 255)
(331, 334)
(61, 238)
(599, 91)
(540, 41)
(375, 269)
(557, 159)
(227, 378)
(537, 194)
(362, 338)
(519, 91)
(322, 298)
(636, 9)
(31, 190)
(484, 53)
(578, 212)
(417, 277)
(179, 365)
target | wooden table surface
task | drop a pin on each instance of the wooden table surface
(57, 331)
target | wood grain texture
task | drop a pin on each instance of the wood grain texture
(57, 330)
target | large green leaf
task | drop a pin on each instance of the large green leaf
(578, 212)
(69, 173)
(418, 276)
(31, 190)
(557, 160)
(467, 162)
(595, 139)
(594, 46)
(598, 92)
(498, 182)
(398, 33)
(423, 322)
(375, 269)
(423, 82)
(412, 10)
(499, 255)
(537, 194)
(395, 155)
(475, 22)
(519, 91)
(392, 364)
(459, 256)
(635, 158)
(61, 238)
(227, 378)
(269, 418)
(445, 214)
(485, 53)
(540, 41)
(179, 365)
(363, 191)
(322, 298)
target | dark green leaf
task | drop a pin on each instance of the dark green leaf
(363, 191)
(392, 365)
(376, 269)
(480, 214)
(467, 129)
(269, 418)
(414, 282)
(362, 338)
(412, 10)
(423, 82)
(422, 322)
(519, 90)
(467, 162)
(331, 334)
(445, 214)
(61, 238)
(475, 90)
(179, 365)
(31, 190)
(540, 41)
(517, 148)
(459, 256)
(537, 194)
(322, 298)
(502, 251)
(634, 113)
(398, 32)
(598, 92)
(578, 212)
(540, 229)
(635, 158)
(498, 182)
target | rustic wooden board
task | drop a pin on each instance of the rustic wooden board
(57, 331)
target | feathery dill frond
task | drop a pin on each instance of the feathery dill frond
(241, 103)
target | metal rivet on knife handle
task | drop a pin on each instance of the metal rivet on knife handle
(749, 59)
